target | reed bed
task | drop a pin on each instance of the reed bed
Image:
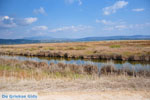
(126, 71)
(40, 70)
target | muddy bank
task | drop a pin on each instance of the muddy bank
(67, 55)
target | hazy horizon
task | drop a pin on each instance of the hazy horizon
(73, 18)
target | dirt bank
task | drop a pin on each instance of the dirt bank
(106, 95)
(103, 88)
(67, 55)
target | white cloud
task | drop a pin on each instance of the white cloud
(41, 10)
(40, 28)
(108, 28)
(30, 20)
(73, 1)
(116, 27)
(138, 9)
(98, 21)
(126, 26)
(105, 22)
(80, 2)
(138, 26)
(112, 9)
(7, 22)
(26, 21)
(109, 25)
(71, 28)
(6, 17)
(69, 1)
(120, 27)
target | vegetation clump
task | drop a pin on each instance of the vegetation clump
(66, 70)
(115, 46)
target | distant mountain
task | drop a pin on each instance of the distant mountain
(25, 41)
(39, 38)
(44, 39)
(134, 37)
(17, 41)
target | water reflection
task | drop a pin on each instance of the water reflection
(119, 64)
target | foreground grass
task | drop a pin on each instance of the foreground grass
(35, 74)
(41, 70)
(14, 78)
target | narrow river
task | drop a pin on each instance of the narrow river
(136, 65)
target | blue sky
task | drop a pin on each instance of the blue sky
(74, 18)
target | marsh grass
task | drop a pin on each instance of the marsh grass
(49, 48)
(32, 49)
(33, 74)
(75, 48)
(139, 49)
(115, 46)
(110, 69)
(126, 53)
(41, 70)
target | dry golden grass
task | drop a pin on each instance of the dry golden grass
(128, 47)
(41, 70)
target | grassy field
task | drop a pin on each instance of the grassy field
(119, 50)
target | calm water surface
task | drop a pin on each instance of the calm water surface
(136, 65)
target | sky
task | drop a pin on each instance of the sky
(73, 18)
